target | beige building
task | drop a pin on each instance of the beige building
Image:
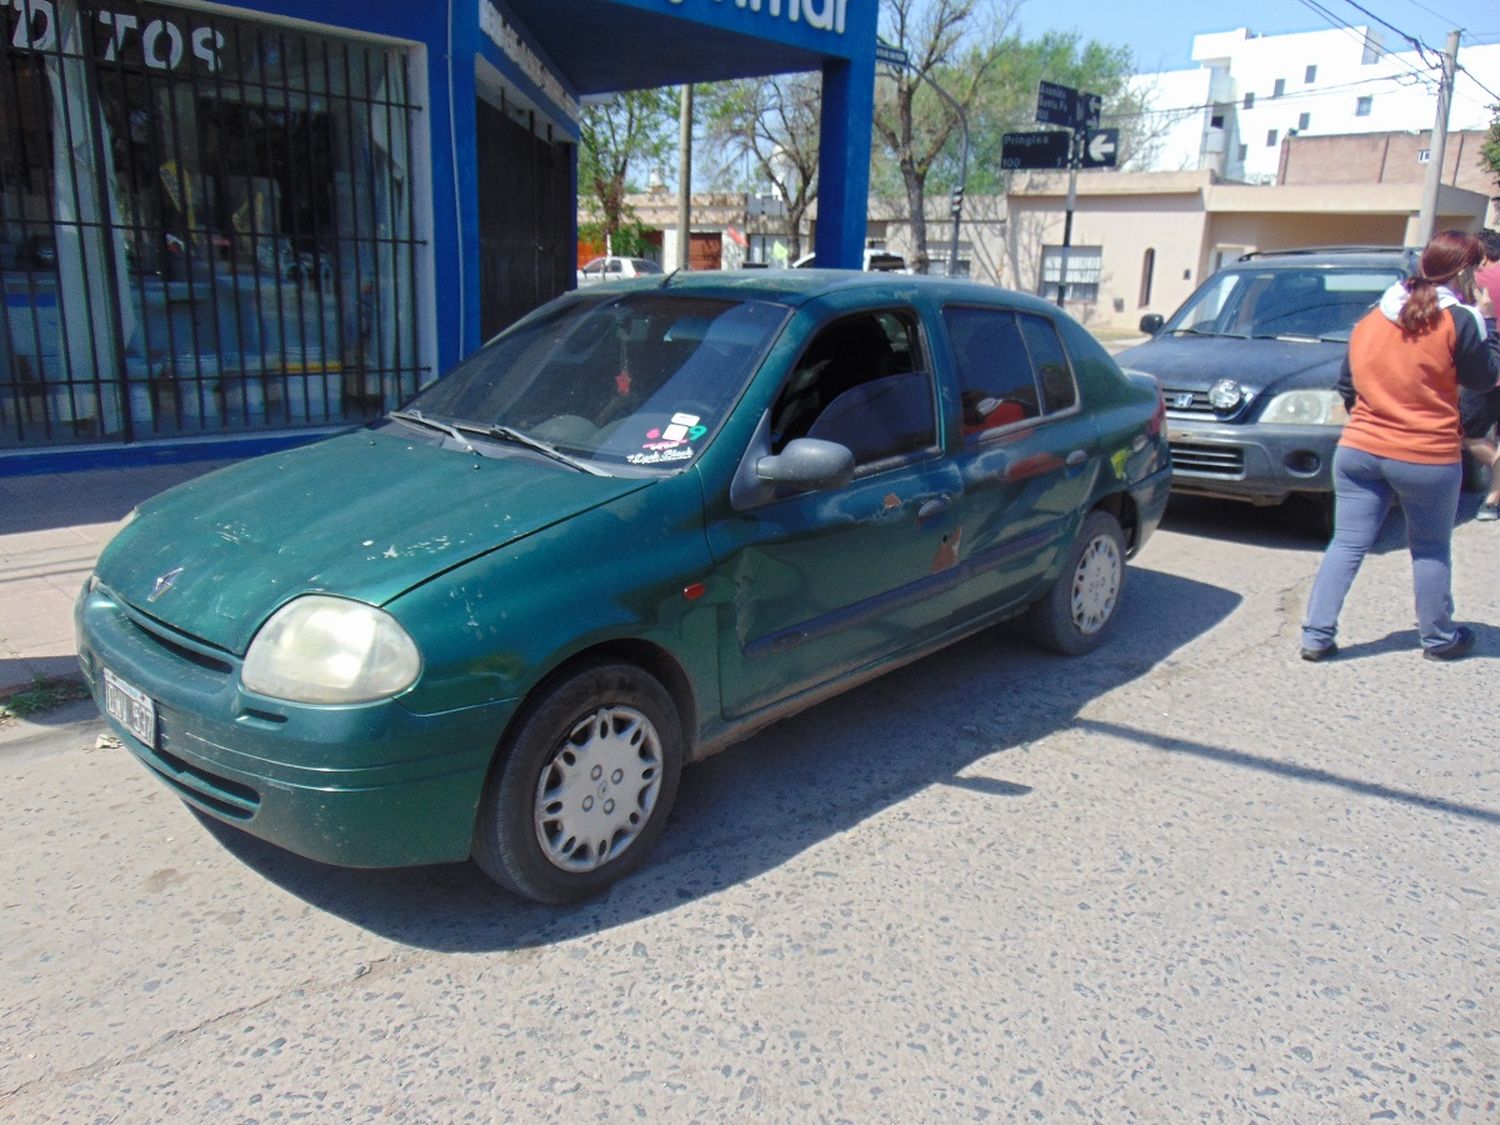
(1142, 242)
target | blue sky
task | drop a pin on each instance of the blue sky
(1160, 34)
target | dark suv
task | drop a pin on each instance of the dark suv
(1248, 366)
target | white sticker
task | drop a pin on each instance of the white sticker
(684, 419)
(674, 433)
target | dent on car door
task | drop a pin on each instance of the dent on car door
(1029, 451)
(832, 580)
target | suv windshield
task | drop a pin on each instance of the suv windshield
(1315, 303)
(640, 379)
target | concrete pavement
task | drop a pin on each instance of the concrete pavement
(52, 528)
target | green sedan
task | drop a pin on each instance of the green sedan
(644, 522)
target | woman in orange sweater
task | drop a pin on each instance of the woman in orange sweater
(1407, 358)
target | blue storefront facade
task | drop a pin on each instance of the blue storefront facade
(253, 223)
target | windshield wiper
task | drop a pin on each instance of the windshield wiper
(416, 417)
(505, 433)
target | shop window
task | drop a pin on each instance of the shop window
(205, 225)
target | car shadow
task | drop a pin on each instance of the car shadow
(82, 497)
(795, 785)
(1293, 526)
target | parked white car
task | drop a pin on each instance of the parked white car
(613, 267)
(880, 260)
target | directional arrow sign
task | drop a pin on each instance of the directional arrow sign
(1100, 147)
(1056, 105)
(1035, 150)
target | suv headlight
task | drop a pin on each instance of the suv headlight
(319, 649)
(1306, 408)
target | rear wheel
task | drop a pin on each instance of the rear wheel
(582, 786)
(1074, 615)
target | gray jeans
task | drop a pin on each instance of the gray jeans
(1364, 486)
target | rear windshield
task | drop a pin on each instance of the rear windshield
(1308, 304)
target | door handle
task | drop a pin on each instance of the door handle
(934, 507)
(1076, 458)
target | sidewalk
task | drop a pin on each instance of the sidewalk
(52, 527)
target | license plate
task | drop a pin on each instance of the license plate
(131, 708)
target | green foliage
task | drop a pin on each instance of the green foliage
(633, 131)
(627, 240)
(42, 696)
(1489, 150)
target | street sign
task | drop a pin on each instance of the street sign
(1056, 105)
(1088, 109)
(1100, 148)
(1050, 150)
(893, 55)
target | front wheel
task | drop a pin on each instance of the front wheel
(1074, 615)
(582, 786)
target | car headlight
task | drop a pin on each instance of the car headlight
(1225, 394)
(319, 649)
(1306, 408)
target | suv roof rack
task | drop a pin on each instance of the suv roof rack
(1328, 250)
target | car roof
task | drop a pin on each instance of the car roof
(1349, 257)
(798, 287)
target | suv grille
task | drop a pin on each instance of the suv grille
(1208, 460)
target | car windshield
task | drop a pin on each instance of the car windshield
(1306, 304)
(634, 381)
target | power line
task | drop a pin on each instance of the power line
(1430, 12)
(1481, 85)
(1363, 40)
(1421, 47)
(1400, 79)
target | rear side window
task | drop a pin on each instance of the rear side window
(1011, 368)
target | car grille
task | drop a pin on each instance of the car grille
(1208, 460)
(1179, 400)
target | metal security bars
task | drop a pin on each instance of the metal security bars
(206, 225)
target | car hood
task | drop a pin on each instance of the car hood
(365, 516)
(1198, 362)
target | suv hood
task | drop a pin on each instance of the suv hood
(1193, 363)
(364, 515)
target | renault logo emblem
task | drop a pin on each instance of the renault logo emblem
(164, 583)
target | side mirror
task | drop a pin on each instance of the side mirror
(808, 464)
(1151, 323)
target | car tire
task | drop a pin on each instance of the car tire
(1074, 615)
(582, 785)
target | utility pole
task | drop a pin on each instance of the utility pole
(1075, 155)
(684, 176)
(1427, 220)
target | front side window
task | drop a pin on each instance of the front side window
(863, 383)
(632, 382)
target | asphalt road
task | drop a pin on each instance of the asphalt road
(1189, 877)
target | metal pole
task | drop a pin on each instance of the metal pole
(1427, 220)
(684, 176)
(1075, 148)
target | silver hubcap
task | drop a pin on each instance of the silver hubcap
(597, 792)
(1096, 585)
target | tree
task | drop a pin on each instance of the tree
(775, 123)
(957, 44)
(1489, 150)
(633, 128)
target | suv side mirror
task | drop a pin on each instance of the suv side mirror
(1151, 323)
(808, 464)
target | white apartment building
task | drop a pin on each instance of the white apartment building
(1250, 92)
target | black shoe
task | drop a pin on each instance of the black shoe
(1316, 654)
(1456, 649)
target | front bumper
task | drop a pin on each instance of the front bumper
(366, 785)
(1260, 463)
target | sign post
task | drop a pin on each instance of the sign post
(1083, 145)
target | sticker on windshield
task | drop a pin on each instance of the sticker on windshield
(662, 456)
(681, 425)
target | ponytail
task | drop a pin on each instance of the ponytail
(1420, 314)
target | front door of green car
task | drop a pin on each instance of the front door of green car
(829, 581)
